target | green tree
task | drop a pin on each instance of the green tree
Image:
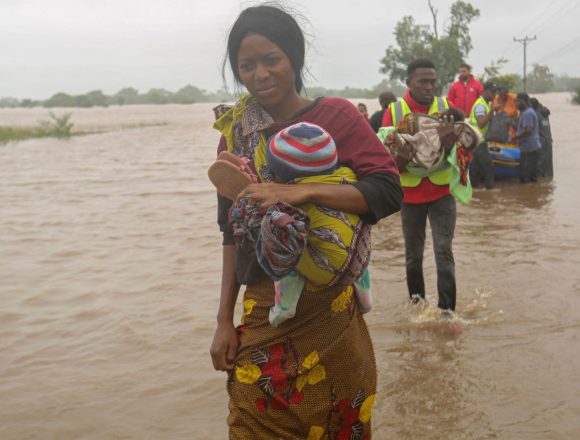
(157, 96)
(576, 96)
(127, 95)
(540, 79)
(97, 99)
(60, 100)
(9, 102)
(189, 94)
(493, 69)
(30, 103)
(509, 80)
(447, 51)
(565, 83)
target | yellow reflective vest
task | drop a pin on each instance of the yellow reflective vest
(398, 110)
(473, 118)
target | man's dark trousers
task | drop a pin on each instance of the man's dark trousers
(442, 216)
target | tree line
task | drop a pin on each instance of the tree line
(539, 80)
(126, 96)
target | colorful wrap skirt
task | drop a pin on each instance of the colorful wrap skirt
(313, 377)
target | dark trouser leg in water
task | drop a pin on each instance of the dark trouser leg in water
(482, 166)
(442, 216)
(414, 220)
(529, 166)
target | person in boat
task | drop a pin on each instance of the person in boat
(528, 139)
(481, 114)
(465, 90)
(385, 100)
(314, 376)
(505, 102)
(426, 197)
(546, 167)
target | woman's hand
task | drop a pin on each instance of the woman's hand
(266, 194)
(224, 347)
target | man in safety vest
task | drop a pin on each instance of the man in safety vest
(426, 197)
(479, 118)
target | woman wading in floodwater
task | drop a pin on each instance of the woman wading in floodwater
(314, 375)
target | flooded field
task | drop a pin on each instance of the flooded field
(109, 283)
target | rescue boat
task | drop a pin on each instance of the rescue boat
(506, 159)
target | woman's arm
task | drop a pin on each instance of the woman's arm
(340, 197)
(225, 341)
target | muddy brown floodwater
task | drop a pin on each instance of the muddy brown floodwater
(109, 284)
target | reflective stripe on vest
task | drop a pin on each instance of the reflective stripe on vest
(398, 110)
(473, 118)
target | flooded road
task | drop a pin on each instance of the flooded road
(109, 284)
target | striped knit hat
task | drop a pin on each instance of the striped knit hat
(301, 150)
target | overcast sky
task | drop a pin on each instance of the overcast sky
(75, 46)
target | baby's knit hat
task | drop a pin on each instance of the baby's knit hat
(301, 150)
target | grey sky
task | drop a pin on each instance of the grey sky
(76, 46)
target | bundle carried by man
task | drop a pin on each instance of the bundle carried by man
(416, 143)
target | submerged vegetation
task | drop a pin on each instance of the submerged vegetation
(59, 127)
(576, 96)
(56, 126)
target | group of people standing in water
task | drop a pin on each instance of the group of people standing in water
(501, 116)
(301, 363)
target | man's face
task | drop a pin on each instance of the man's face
(422, 85)
(464, 73)
(521, 104)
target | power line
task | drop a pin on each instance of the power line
(558, 52)
(524, 42)
(540, 15)
(559, 14)
(509, 46)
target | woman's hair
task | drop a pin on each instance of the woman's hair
(276, 25)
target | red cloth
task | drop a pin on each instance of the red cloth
(350, 132)
(463, 95)
(426, 191)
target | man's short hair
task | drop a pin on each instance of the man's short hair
(523, 97)
(466, 66)
(420, 63)
(387, 97)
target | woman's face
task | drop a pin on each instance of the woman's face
(266, 72)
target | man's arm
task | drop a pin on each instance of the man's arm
(525, 132)
(482, 117)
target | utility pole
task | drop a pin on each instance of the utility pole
(524, 41)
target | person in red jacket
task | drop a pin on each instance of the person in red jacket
(465, 91)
